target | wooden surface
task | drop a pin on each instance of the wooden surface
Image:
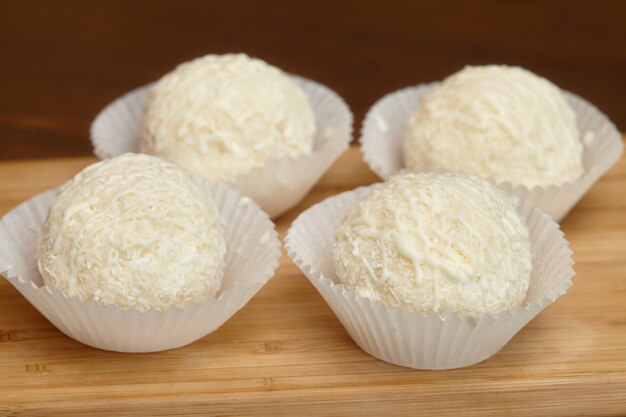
(286, 353)
(62, 61)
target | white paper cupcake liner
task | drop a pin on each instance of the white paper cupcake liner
(278, 185)
(382, 138)
(252, 253)
(417, 340)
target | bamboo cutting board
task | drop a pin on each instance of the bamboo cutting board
(285, 353)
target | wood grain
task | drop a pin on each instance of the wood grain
(286, 353)
(63, 61)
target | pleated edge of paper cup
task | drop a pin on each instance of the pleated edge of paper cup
(372, 118)
(338, 147)
(614, 141)
(102, 116)
(237, 288)
(343, 294)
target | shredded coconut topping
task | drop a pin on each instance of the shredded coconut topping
(498, 122)
(133, 231)
(444, 243)
(219, 116)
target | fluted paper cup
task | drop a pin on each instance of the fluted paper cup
(252, 253)
(382, 138)
(278, 185)
(425, 341)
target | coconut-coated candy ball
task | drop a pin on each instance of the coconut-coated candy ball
(502, 123)
(133, 231)
(436, 243)
(219, 116)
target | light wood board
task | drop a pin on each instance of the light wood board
(286, 353)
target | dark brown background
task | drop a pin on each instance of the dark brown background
(62, 61)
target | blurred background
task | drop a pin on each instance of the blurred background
(62, 61)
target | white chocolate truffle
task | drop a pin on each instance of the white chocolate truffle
(436, 243)
(502, 123)
(133, 231)
(219, 116)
